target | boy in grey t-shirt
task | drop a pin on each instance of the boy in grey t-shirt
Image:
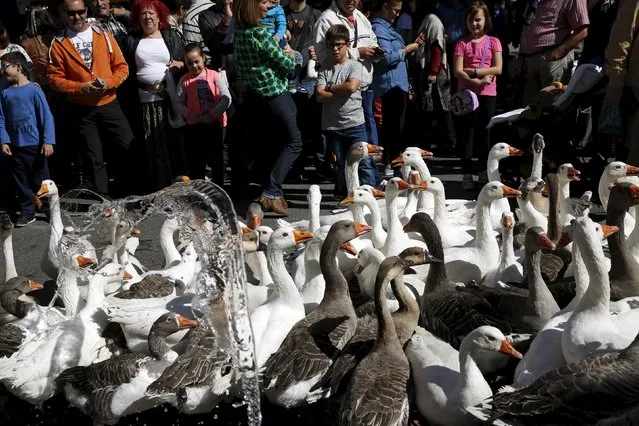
(338, 89)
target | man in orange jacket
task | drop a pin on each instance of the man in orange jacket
(86, 64)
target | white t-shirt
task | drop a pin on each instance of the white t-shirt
(151, 59)
(83, 42)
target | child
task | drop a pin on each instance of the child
(203, 97)
(27, 132)
(477, 62)
(338, 88)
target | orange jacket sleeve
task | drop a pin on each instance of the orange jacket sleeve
(56, 71)
(119, 67)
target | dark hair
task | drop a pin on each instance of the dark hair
(473, 10)
(336, 33)
(4, 34)
(247, 13)
(41, 22)
(17, 58)
(193, 47)
(159, 7)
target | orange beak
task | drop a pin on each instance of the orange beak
(185, 179)
(414, 177)
(608, 230)
(399, 161)
(109, 212)
(426, 154)
(510, 192)
(422, 186)
(544, 192)
(44, 190)
(361, 229)
(507, 222)
(84, 261)
(126, 276)
(34, 285)
(408, 227)
(255, 221)
(135, 231)
(302, 236)
(574, 174)
(348, 248)
(374, 149)
(184, 322)
(246, 230)
(403, 185)
(507, 348)
(632, 170)
(634, 190)
(512, 151)
(348, 200)
(545, 242)
(379, 195)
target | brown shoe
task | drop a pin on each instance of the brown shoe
(274, 205)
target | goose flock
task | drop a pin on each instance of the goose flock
(402, 304)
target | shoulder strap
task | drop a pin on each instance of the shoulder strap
(483, 54)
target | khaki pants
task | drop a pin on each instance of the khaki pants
(541, 73)
(632, 133)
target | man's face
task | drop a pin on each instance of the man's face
(347, 6)
(76, 14)
(102, 8)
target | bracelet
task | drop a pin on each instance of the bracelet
(329, 87)
(474, 73)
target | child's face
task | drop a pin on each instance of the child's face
(275, 2)
(339, 49)
(10, 71)
(195, 62)
(476, 23)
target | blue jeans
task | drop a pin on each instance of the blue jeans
(371, 128)
(279, 112)
(340, 141)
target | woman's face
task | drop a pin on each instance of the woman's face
(392, 10)
(476, 23)
(263, 5)
(149, 20)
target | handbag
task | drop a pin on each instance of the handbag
(465, 100)
(175, 119)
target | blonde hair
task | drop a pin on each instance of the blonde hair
(247, 13)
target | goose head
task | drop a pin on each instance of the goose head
(264, 234)
(365, 257)
(286, 237)
(536, 239)
(603, 231)
(531, 185)
(170, 323)
(48, 188)
(507, 220)
(359, 197)
(432, 184)
(623, 195)
(502, 150)
(411, 157)
(112, 272)
(344, 231)
(617, 169)
(566, 173)
(489, 339)
(395, 186)
(587, 233)
(538, 144)
(379, 195)
(250, 241)
(413, 256)
(360, 150)
(254, 215)
(496, 190)
(21, 284)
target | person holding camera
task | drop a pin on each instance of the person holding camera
(87, 65)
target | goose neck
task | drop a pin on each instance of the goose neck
(537, 165)
(395, 229)
(422, 168)
(9, 260)
(484, 238)
(405, 298)
(440, 215)
(567, 211)
(554, 226)
(314, 221)
(622, 263)
(358, 213)
(167, 244)
(597, 296)
(437, 274)
(55, 214)
(336, 285)
(352, 176)
(492, 168)
(581, 278)
(158, 347)
(379, 235)
(386, 333)
(284, 284)
(9, 301)
(507, 248)
(472, 386)
(538, 292)
(95, 294)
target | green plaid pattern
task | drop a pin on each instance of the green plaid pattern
(260, 62)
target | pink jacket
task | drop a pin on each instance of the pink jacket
(187, 91)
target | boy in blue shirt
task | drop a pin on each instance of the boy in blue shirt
(27, 133)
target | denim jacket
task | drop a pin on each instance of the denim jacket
(391, 70)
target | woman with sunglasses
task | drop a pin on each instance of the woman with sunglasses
(390, 77)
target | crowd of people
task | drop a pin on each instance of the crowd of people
(122, 100)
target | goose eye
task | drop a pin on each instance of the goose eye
(597, 229)
(494, 186)
(263, 232)
(348, 225)
(285, 234)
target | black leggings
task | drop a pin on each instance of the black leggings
(472, 135)
(203, 146)
(394, 103)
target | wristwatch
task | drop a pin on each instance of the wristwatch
(474, 73)
(329, 86)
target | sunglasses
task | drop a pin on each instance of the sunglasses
(72, 13)
(3, 67)
(336, 45)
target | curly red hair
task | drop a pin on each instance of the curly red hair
(157, 5)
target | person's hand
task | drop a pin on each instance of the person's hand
(47, 150)
(288, 36)
(432, 78)
(421, 39)
(89, 88)
(311, 53)
(367, 52)
(119, 11)
(277, 38)
(614, 95)
(411, 47)
(174, 66)
(290, 51)
(487, 80)
(555, 55)
(6, 150)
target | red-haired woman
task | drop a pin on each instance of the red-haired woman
(150, 50)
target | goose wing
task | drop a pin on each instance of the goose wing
(11, 337)
(151, 286)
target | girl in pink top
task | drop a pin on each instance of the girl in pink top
(202, 98)
(472, 136)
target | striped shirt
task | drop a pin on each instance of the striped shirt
(190, 24)
(552, 25)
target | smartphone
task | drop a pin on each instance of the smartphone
(98, 83)
(379, 51)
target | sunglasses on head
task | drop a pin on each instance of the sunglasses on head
(72, 13)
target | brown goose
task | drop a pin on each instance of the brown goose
(404, 319)
(585, 392)
(624, 269)
(116, 387)
(376, 394)
(446, 312)
(314, 342)
(12, 300)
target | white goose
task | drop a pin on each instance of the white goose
(50, 262)
(6, 231)
(367, 196)
(509, 269)
(447, 381)
(498, 152)
(539, 202)
(613, 171)
(272, 320)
